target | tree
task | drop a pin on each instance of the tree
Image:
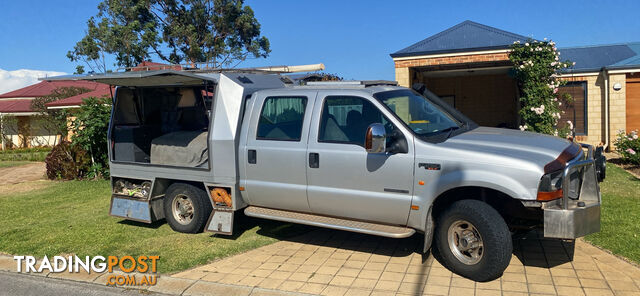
(217, 32)
(55, 121)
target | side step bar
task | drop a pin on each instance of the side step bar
(330, 222)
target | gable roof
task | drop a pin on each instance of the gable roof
(15, 106)
(103, 90)
(44, 88)
(594, 58)
(465, 36)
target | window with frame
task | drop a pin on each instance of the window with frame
(281, 118)
(345, 120)
(575, 110)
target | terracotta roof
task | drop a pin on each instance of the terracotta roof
(102, 91)
(15, 106)
(44, 88)
(153, 66)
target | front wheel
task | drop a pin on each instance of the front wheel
(186, 208)
(473, 240)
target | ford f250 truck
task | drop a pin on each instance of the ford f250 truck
(195, 147)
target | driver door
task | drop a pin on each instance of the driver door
(346, 181)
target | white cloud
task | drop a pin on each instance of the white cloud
(12, 80)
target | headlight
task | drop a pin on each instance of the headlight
(550, 186)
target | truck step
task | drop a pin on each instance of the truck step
(330, 222)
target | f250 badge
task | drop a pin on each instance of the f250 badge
(429, 166)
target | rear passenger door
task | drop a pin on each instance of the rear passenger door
(275, 150)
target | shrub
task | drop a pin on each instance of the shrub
(537, 65)
(90, 134)
(628, 146)
(67, 162)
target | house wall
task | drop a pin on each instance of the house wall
(24, 131)
(405, 67)
(488, 112)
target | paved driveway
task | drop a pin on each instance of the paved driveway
(331, 262)
(340, 263)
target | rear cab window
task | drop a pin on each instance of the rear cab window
(281, 118)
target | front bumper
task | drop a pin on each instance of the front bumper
(577, 213)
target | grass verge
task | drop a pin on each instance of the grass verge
(72, 218)
(11, 163)
(620, 216)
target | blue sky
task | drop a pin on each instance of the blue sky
(352, 38)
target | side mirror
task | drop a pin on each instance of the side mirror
(375, 139)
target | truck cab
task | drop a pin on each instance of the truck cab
(365, 156)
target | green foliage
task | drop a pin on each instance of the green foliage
(67, 162)
(628, 146)
(537, 64)
(219, 32)
(90, 134)
(54, 121)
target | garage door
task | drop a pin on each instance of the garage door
(633, 105)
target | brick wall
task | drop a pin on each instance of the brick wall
(595, 108)
(473, 58)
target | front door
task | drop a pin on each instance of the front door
(346, 181)
(275, 151)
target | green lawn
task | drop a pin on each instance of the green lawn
(620, 218)
(11, 163)
(72, 218)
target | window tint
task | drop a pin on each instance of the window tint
(281, 118)
(346, 119)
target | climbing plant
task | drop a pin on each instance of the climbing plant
(537, 65)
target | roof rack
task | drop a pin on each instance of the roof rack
(361, 83)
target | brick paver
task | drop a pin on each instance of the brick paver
(330, 262)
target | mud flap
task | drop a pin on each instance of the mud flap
(221, 221)
(428, 232)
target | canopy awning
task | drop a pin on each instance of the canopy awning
(144, 78)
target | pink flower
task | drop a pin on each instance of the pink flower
(555, 90)
(630, 151)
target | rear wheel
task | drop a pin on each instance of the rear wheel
(473, 240)
(186, 208)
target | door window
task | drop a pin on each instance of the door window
(345, 119)
(281, 118)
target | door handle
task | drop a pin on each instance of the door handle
(251, 157)
(314, 160)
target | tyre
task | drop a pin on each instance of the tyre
(473, 240)
(186, 208)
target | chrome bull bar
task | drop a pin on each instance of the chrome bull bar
(570, 218)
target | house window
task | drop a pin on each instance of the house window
(576, 109)
(281, 118)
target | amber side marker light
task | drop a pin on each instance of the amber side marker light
(547, 196)
(415, 207)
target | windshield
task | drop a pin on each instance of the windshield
(418, 113)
